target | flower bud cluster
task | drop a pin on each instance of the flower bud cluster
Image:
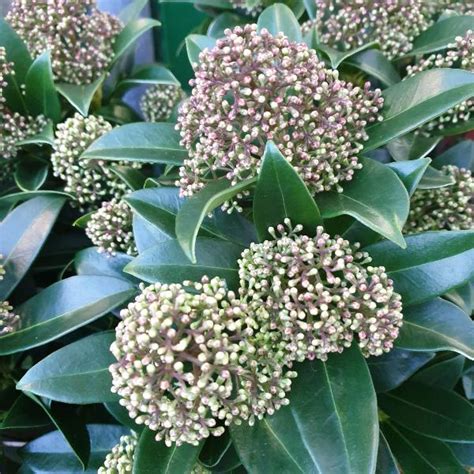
(187, 365)
(253, 87)
(450, 208)
(250, 7)
(9, 321)
(2, 268)
(394, 24)
(110, 228)
(460, 55)
(159, 101)
(120, 459)
(91, 181)
(312, 295)
(79, 37)
(13, 126)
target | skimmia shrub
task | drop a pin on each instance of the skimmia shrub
(257, 259)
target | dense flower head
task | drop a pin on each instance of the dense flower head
(9, 321)
(185, 365)
(110, 228)
(250, 7)
(159, 101)
(79, 37)
(460, 54)
(461, 7)
(347, 25)
(13, 126)
(91, 181)
(311, 295)
(120, 459)
(253, 87)
(450, 207)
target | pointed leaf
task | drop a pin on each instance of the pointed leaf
(386, 463)
(31, 173)
(24, 413)
(411, 146)
(444, 374)
(195, 44)
(434, 178)
(411, 172)
(279, 18)
(80, 96)
(91, 262)
(336, 58)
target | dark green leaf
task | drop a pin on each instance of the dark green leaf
(31, 173)
(197, 43)
(78, 373)
(392, 369)
(417, 100)
(133, 178)
(336, 58)
(45, 137)
(15, 198)
(63, 307)
(22, 234)
(281, 194)
(147, 75)
(411, 146)
(278, 18)
(384, 209)
(120, 413)
(386, 463)
(219, 454)
(152, 457)
(460, 155)
(329, 426)
(222, 22)
(444, 374)
(437, 325)
(464, 452)
(80, 96)
(167, 263)
(463, 297)
(441, 35)
(40, 94)
(24, 413)
(430, 411)
(142, 142)
(411, 172)
(434, 178)
(432, 264)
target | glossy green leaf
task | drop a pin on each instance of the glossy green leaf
(78, 373)
(278, 18)
(392, 369)
(219, 454)
(45, 137)
(463, 297)
(281, 194)
(132, 31)
(411, 172)
(336, 58)
(22, 234)
(460, 155)
(167, 263)
(441, 34)
(444, 374)
(430, 411)
(411, 146)
(437, 325)
(24, 413)
(40, 93)
(120, 413)
(133, 178)
(386, 463)
(417, 100)
(146, 235)
(152, 457)
(464, 452)
(197, 43)
(374, 63)
(195, 209)
(63, 307)
(222, 22)
(15, 198)
(50, 453)
(80, 96)
(330, 424)
(142, 142)
(432, 264)
(434, 178)
(31, 173)
(384, 209)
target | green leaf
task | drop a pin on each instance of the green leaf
(22, 234)
(330, 424)
(411, 172)
(133, 178)
(420, 455)
(463, 297)
(444, 374)
(40, 94)
(430, 411)
(386, 463)
(132, 31)
(281, 194)
(142, 142)
(45, 137)
(78, 373)
(460, 155)
(219, 454)
(167, 263)
(195, 209)
(441, 35)
(417, 100)
(278, 18)
(71, 427)
(384, 209)
(150, 74)
(146, 235)
(24, 413)
(435, 326)
(434, 178)
(311, 8)
(15, 198)
(222, 22)
(80, 96)
(120, 413)
(64, 307)
(411, 146)
(463, 452)
(50, 453)
(132, 10)
(432, 264)
(392, 369)
(374, 63)
(31, 173)
(152, 457)
(336, 58)
(195, 44)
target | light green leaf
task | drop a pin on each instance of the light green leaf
(195, 44)
(278, 18)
